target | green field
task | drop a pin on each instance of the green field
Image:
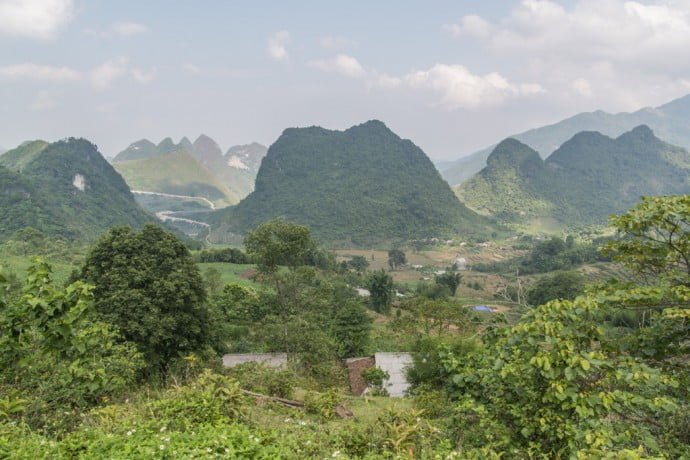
(230, 273)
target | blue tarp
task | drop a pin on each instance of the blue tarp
(482, 308)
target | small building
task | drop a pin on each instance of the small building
(276, 360)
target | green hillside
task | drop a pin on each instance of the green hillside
(177, 173)
(360, 185)
(194, 169)
(64, 189)
(670, 122)
(584, 181)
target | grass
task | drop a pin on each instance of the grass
(19, 265)
(231, 273)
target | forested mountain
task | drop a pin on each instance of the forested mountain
(670, 122)
(361, 185)
(195, 169)
(584, 181)
(65, 189)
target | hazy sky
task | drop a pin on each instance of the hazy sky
(452, 76)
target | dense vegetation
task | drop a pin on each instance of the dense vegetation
(549, 255)
(588, 178)
(604, 375)
(360, 185)
(38, 190)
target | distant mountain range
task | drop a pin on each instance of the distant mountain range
(670, 122)
(63, 189)
(585, 180)
(359, 186)
(198, 169)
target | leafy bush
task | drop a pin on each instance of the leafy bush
(375, 376)
(266, 380)
(322, 404)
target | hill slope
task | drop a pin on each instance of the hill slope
(65, 189)
(195, 169)
(361, 185)
(584, 181)
(670, 122)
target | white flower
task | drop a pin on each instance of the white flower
(129, 433)
(163, 429)
(161, 447)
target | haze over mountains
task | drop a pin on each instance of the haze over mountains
(670, 122)
(64, 189)
(585, 180)
(358, 185)
(198, 169)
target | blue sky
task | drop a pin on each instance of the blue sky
(452, 76)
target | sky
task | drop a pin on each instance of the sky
(453, 76)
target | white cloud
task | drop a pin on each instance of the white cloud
(129, 29)
(337, 42)
(40, 19)
(37, 72)
(43, 101)
(457, 87)
(470, 25)
(103, 76)
(342, 64)
(191, 68)
(143, 76)
(277, 45)
(620, 53)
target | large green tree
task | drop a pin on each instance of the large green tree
(380, 287)
(279, 242)
(147, 284)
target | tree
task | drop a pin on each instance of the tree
(359, 263)
(279, 242)
(380, 287)
(351, 327)
(56, 354)
(396, 258)
(554, 386)
(147, 284)
(451, 280)
(213, 281)
(562, 285)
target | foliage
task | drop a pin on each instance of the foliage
(358, 263)
(584, 181)
(351, 327)
(450, 279)
(549, 255)
(56, 355)
(322, 404)
(266, 380)
(552, 385)
(343, 185)
(396, 258)
(561, 285)
(38, 191)
(380, 286)
(227, 255)
(148, 286)
(375, 377)
(279, 242)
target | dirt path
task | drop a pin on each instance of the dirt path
(166, 215)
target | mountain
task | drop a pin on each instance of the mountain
(588, 178)
(670, 122)
(196, 169)
(177, 173)
(246, 157)
(64, 189)
(361, 185)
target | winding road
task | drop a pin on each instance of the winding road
(169, 215)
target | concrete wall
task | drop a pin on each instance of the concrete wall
(269, 359)
(395, 364)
